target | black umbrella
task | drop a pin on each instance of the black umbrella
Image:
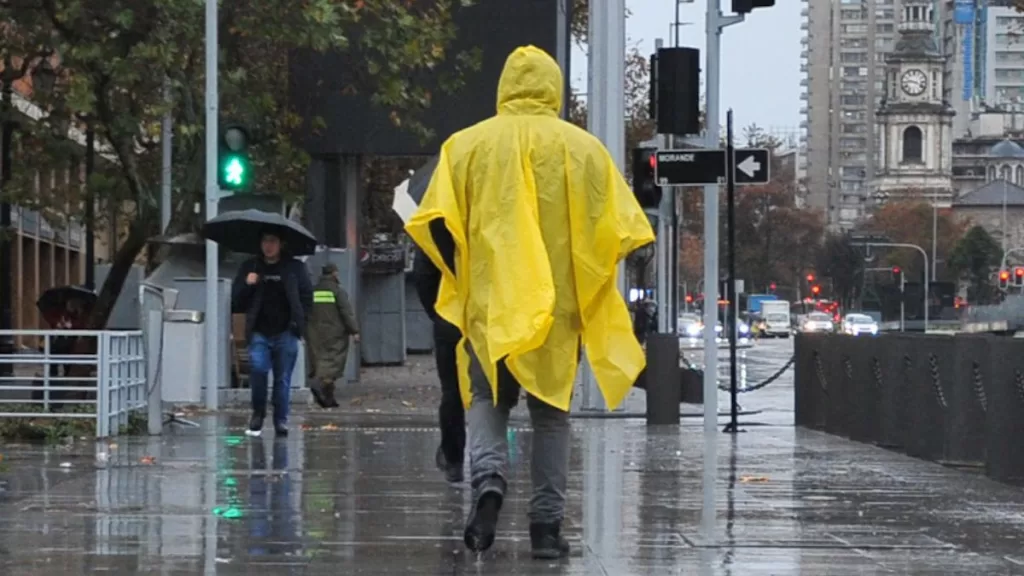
(410, 192)
(56, 299)
(242, 230)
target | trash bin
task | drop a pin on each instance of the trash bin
(182, 357)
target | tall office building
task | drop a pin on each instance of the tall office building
(845, 45)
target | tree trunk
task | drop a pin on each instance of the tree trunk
(121, 264)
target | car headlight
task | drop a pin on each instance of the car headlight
(693, 330)
(744, 329)
(718, 329)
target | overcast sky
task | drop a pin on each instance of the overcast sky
(760, 57)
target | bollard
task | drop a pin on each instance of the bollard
(662, 380)
(1004, 389)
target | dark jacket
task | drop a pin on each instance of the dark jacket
(246, 299)
(331, 324)
(428, 283)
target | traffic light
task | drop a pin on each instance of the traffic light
(647, 191)
(897, 274)
(748, 6)
(1004, 278)
(771, 288)
(234, 170)
(816, 290)
(1018, 276)
(689, 298)
(810, 278)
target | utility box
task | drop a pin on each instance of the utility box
(419, 328)
(192, 296)
(382, 314)
(182, 357)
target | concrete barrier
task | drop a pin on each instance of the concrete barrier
(953, 399)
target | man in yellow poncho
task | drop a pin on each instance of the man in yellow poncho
(527, 217)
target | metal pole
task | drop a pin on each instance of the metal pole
(90, 208)
(676, 25)
(212, 196)
(903, 286)
(923, 255)
(166, 134)
(935, 235)
(6, 343)
(606, 102)
(731, 326)
(714, 37)
(716, 22)
(1003, 239)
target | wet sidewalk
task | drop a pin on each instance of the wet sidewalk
(357, 493)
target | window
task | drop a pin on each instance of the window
(1005, 173)
(853, 43)
(912, 144)
(854, 28)
(1019, 177)
(884, 28)
(991, 173)
(853, 14)
(853, 100)
(851, 71)
(884, 14)
(1004, 57)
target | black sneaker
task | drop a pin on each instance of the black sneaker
(280, 429)
(483, 523)
(319, 396)
(452, 472)
(255, 425)
(547, 543)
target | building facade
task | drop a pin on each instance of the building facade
(915, 121)
(845, 45)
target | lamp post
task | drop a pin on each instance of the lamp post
(6, 141)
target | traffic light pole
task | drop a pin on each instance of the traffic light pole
(212, 318)
(903, 301)
(716, 22)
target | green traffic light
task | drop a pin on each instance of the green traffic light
(234, 171)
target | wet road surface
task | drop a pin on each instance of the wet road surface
(358, 494)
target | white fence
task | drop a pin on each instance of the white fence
(97, 374)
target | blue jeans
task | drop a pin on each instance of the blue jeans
(279, 353)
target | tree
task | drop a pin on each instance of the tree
(113, 57)
(974, 258)
(841, 262)
(910, 222)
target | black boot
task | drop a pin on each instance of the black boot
(483, 522)
(255, 425)
(452, 472)
(332, 402)
(547, 543)
(317, 390)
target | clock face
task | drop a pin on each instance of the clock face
(914, 82)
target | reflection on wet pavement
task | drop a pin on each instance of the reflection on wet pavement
(362, 496)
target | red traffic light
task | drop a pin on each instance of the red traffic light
(689, 298)
(815, 290)
(653, 161)
(810, 277)
(896, 270)
(1004, 275)
(771, 286)
(1018, 272)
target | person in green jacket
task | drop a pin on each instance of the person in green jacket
(331, 324)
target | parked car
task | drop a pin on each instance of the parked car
(818, 322)
(857, 324)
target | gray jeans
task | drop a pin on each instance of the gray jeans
(488, 444)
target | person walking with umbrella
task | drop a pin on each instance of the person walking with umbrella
(274, 292)
(527, 218)
(330, 325)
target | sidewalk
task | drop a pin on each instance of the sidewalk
(357, 493)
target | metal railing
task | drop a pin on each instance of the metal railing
(98, 374)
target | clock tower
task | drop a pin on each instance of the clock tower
(915, 124)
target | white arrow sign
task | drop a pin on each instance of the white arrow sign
(749, 166)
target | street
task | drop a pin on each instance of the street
(356, 492)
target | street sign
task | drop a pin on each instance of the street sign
(753, 166)
(697, 167)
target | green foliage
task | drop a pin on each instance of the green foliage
(841, 262)
(114, 59)
(974, 259)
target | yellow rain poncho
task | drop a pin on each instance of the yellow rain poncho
(527, 217)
